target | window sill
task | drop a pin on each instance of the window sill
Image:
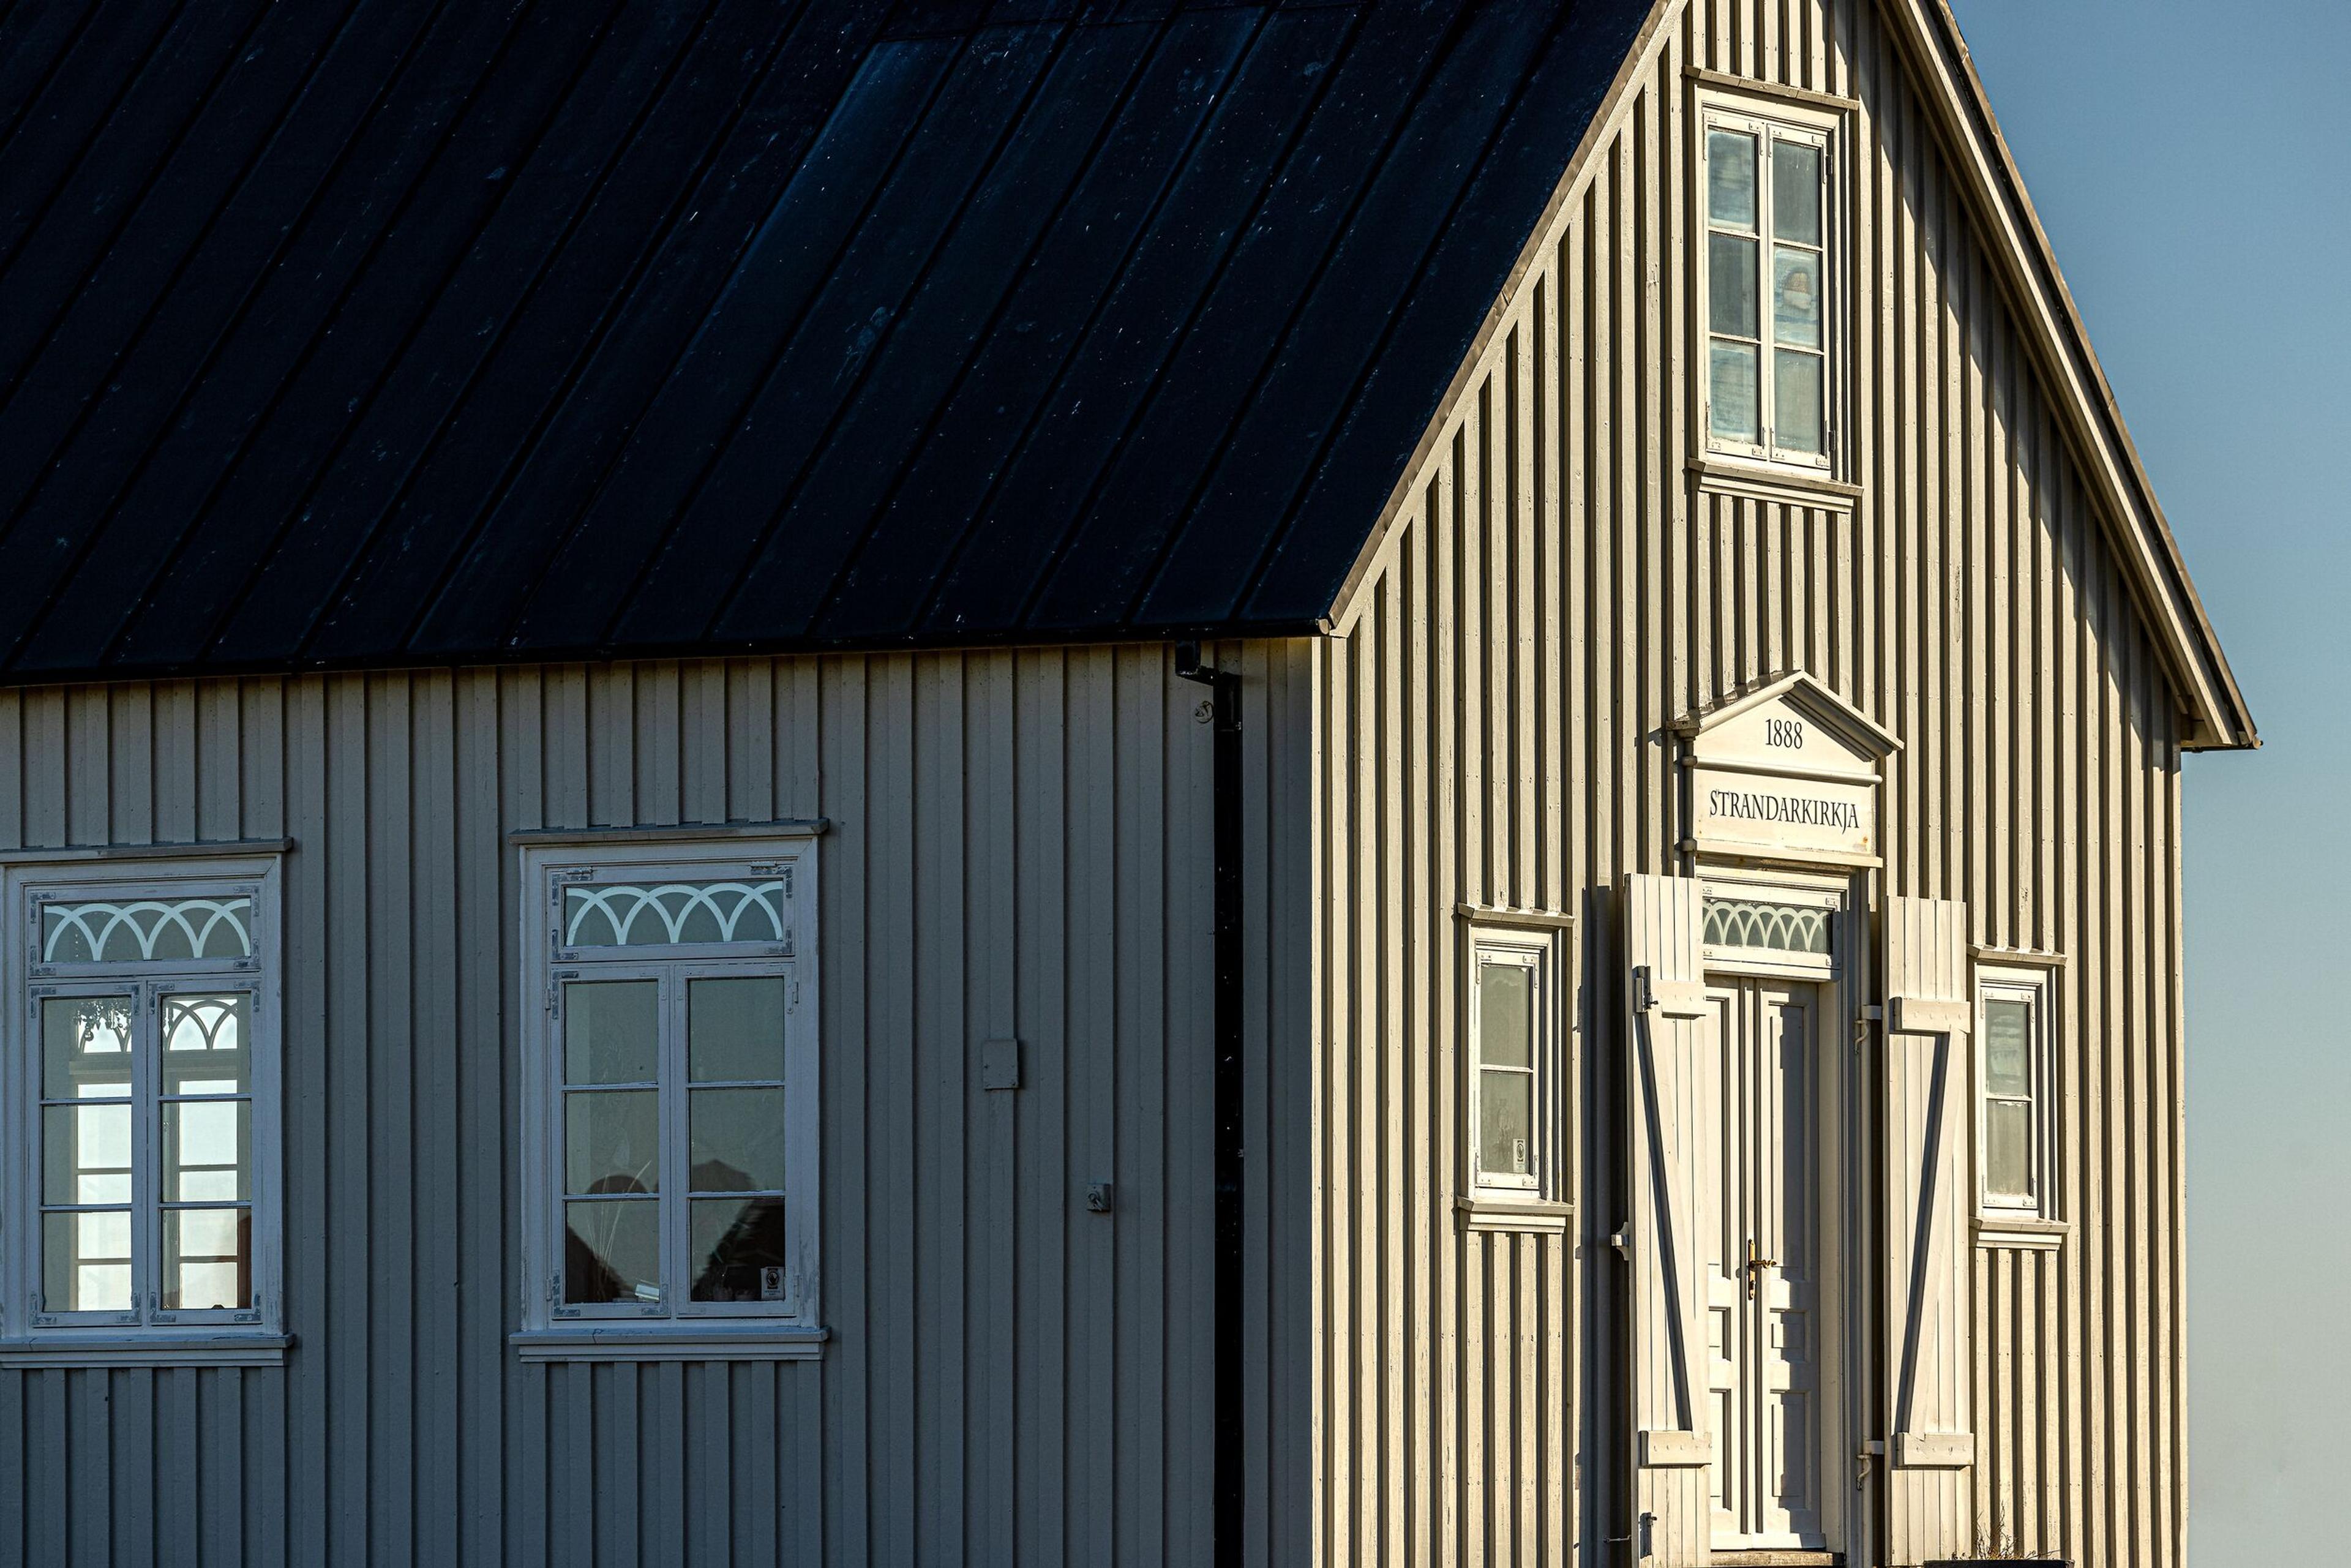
(630, 1343)
(66, 1347)
(2021, 1233)
(1758, 481)
(1528, 1216)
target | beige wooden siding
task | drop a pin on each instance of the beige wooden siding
(1560, 590)
(1020, 847)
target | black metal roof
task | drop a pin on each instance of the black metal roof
(371, 332)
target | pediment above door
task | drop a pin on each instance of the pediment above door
(1786, 770)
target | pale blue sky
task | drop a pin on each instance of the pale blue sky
(2188, 160)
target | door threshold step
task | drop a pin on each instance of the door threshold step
(1769, 1558)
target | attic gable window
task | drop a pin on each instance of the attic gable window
(1767, 286)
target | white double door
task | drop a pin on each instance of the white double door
(1762, 1266)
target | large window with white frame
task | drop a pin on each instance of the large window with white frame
(671, 1160)
(2015, 1071)
(144, 1061)
(1767, 266)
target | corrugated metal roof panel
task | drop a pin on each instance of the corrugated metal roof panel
(387, 331)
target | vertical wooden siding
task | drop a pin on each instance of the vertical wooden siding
(1021, 849)
(1560, 590)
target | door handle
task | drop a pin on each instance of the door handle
(1756, 1264)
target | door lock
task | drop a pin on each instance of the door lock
(1756, 1264)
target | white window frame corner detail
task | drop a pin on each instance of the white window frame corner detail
(672, 1327)
(1829, 130)
(147, 1333)
(2033, 987)
(1539, 951)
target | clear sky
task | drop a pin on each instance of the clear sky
(2192, 161)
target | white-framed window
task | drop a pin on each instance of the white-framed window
(1514, 1055)
(1769, 276)
(142, 1133)
(670, 1095)
(2015, 1101)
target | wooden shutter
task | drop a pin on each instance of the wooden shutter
(1671, 1058)
(1928, 1014)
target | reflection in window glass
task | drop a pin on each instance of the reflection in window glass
(1795, 191)
(1796, 384)
(738, 1250)
(1731, 179)
(2009, 1092)
(611, 1031)
(1735, 404)
(1506, 1045)
(1767, 317)
(1730, 286)
(611, 1252)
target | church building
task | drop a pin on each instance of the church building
(1099, 782)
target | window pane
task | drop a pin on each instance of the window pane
(1730, 178)
(207, 1151)
(1796, 394)
(1731, 281)
(1796, 191)
(86, 1262)
(612, 1143)
(611, 1032)
(207, 1258)
(735, 1028)
(1505, 1123)
(2008, 1047)
(147, 929)
(1733, 398)
(85, 1047)
(656, 915)
(611, 1252)
(86, 1154)
(739, 1249)
(736, 1139)
(1753, 923)
(1796, 297)
(1505, 1015)
(2008, 1145)
(204, 1044)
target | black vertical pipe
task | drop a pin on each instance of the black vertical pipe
(1231, 1487)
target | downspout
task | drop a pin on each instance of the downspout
(1230, 1482)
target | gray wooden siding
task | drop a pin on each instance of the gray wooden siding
(1020, 847)
(1559, 591)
